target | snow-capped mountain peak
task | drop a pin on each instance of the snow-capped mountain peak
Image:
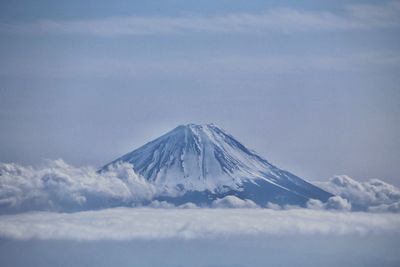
(204, 157)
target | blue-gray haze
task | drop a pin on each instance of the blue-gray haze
(228, 252)
(313, 86)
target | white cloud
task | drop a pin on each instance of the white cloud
(315, 204)
(273, 206)
(141, 223)
(394, 207)
(278, 19)
(338, 203)
(161, 205)
(188, 205)
(59, 186)
(334, 203)
(371, 195)
(233, 202)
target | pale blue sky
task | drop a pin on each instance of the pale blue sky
(312, 86)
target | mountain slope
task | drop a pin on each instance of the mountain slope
(200, 163)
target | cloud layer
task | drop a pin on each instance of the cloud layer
(374, 195)
(140, 223)
(280, 19)
(58, 186)
(233, 202)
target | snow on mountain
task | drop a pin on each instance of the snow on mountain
(201, 163)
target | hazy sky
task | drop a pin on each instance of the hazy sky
(313, 86)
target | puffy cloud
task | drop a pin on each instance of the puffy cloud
(233, 202)
(337, 203)
(166, 205)
(161, 205)
(395, 207)
(334, 203)
(371, 195)
(315, 204)
(188, 205)
(58, 186)
(273, 206)
(148, 223)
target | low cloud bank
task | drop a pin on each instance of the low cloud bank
(148, 223)
(373, 195)
(57, 186)
(333, 203)
(233, 202)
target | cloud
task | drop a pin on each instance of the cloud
(352, 17)
(274, 206)
(145, 223)
(395, 207)
(373, 195)
(58, 186)
(161, 205)
(337, 203)
(233, 202)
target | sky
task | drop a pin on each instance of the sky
(313, 86)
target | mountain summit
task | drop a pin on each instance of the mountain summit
(200, 163)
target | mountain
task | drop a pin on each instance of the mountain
(201, 163)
